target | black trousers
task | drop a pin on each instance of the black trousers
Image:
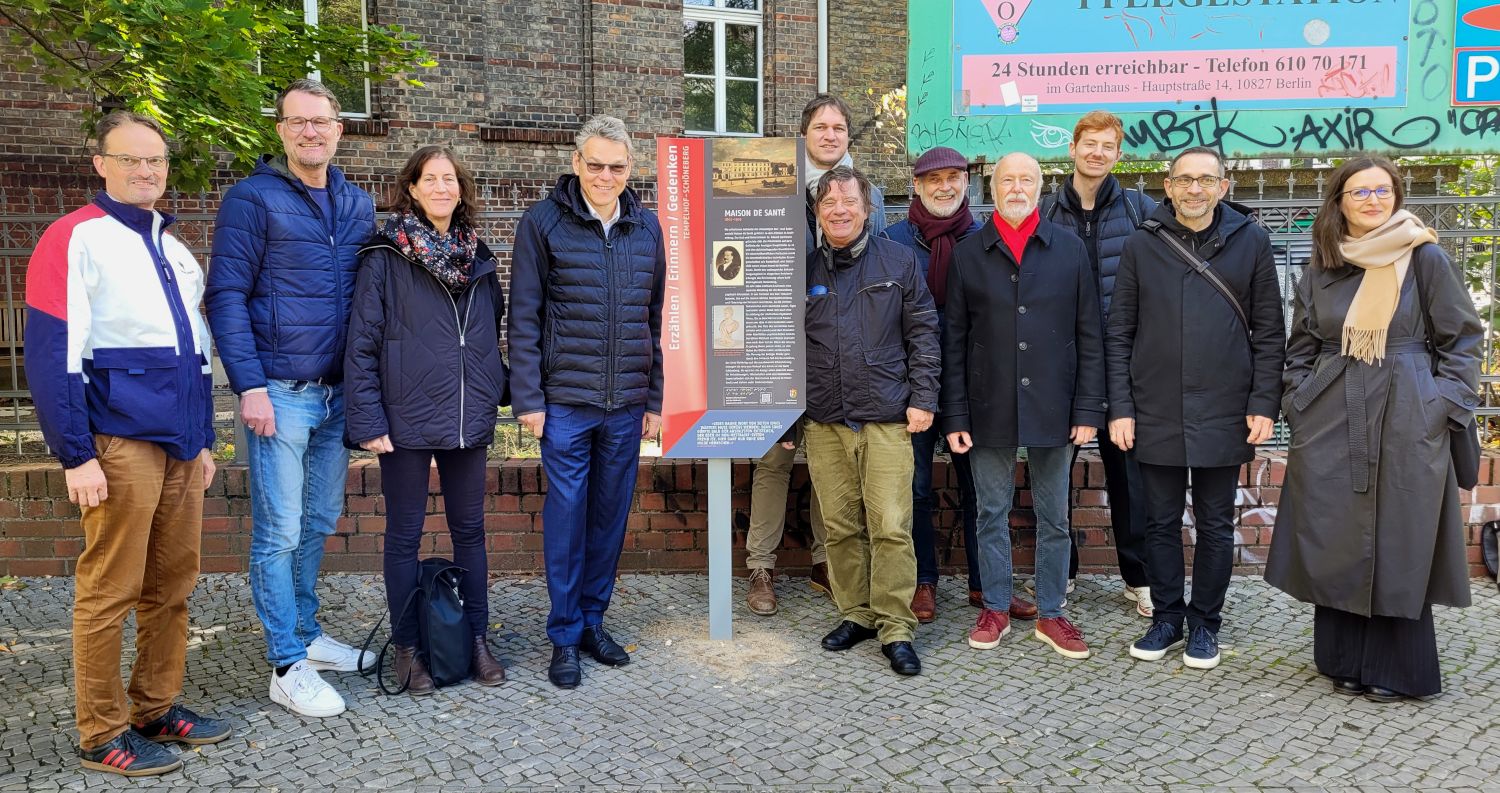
(1127, 512)
(1388, 652)
(404, 477)
(1213, 554)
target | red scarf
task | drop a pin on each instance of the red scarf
(1015, 238)
(940, 234)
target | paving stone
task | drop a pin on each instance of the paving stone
(773, 711)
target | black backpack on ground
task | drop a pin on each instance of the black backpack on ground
(444, 639)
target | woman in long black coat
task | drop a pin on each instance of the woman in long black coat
(423, 379)
(1369, 527)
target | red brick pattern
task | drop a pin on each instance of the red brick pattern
(668, 527)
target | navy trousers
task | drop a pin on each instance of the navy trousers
(590, 456)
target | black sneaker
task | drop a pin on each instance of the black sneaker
(184, 726)
(1161, 637)
(1202, 649)
(129, 754)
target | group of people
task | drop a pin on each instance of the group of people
(1091, 310)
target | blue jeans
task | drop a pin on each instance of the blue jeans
(590, 456)
(923, 444)
(297, 481)
(1047, 470)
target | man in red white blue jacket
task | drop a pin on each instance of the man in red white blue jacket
(117, 357)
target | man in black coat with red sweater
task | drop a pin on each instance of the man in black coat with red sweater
(1023, 365)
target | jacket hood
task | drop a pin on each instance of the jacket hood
(568, 193)
(1067, 195)
(276, 165)
(1229, 217)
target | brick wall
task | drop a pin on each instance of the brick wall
(668, 528)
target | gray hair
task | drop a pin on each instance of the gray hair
(119, 118)
(307, 85)
(607, 127)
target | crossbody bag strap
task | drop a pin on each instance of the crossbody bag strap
(1201, 267)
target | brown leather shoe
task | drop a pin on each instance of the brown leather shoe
(407, 663)
(819, 581)
(924, 603)
(976, 598)
(486, 670)
(762, 597)
(1021, 610)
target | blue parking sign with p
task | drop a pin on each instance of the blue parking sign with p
(1476, 52)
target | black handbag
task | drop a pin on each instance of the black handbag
(444, 639)
(1463, 442)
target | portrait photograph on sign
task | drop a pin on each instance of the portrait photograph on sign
(729, 263)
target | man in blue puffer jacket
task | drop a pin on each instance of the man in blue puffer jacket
(1103, 213)
(587, 279)
(285, 249)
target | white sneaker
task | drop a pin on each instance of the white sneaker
(302, 691)
(1141, 596)
(331, 655)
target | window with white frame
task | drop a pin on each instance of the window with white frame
(349, 84)
(721, 58)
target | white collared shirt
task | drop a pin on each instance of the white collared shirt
(609, 222)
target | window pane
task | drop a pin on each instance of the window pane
(750, 4)
(697, 2)
(741, 110)
(739, 51)
(348, 84)
(697, 47)
(698, 104)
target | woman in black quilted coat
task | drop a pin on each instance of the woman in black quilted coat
(423, 379)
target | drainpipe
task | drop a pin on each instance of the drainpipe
(822, 46)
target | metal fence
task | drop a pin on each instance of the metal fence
(1468, 227)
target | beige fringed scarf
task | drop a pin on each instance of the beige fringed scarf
(1383, 253)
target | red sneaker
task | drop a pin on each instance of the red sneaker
(1064, 637)
(989, 629)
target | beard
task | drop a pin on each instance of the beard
(941, 209)
(1016, 211)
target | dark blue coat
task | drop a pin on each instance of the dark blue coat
(907, 233)
(872, 334)
(423, 365)
(1023, 348)
(280, 283)
(585, 311)
(1117, 212)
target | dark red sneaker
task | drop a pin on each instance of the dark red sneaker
(989, 629)
(1063, 636)
(129, 754)
(184, 726)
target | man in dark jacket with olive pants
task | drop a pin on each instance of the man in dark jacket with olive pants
(1194, 384)
(872, 380)
(586, 288)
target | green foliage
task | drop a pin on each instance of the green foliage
(205, 69)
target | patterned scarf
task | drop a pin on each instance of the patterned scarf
(1384, 254)
(449, 257)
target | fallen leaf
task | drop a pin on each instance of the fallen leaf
(630, 648)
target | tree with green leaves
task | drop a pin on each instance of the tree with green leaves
(206, 69)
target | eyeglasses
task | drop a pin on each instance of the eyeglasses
(615, 168)
(1205, 182)
(1382, 192)
(130, 162)
(319, 123)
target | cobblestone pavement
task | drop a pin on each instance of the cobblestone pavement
(773, 711)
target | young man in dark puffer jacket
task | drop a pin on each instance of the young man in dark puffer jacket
(1092, 204)
(587, 280)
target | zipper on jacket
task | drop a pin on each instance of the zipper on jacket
(609, 281)
(182, 324)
